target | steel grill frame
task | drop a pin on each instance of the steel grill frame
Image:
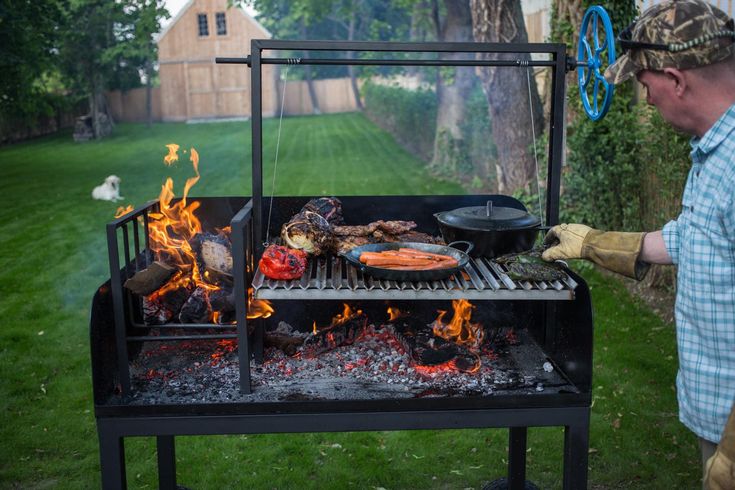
(332, 278)
(565, 326)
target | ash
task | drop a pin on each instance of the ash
(375, 366)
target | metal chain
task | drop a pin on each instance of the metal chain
(275, 164)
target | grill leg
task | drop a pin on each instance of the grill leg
(576, 447)
(166, 462)
(517, 458)
(112, 458)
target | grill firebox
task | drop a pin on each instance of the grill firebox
(551, 324)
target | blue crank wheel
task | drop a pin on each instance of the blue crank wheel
(592, 54)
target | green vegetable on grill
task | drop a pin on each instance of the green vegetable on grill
(529, 266)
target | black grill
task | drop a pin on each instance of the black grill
(552, 320)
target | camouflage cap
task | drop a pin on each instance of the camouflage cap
(674, 34)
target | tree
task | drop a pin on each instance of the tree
(140, 22)
(106, 46)
(453, 87)
(502, 21)
(28, 43)
(332, 20)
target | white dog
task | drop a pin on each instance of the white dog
(109, 190)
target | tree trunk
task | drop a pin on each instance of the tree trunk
(351, 68)
(507, 93)
(309, 81)
(454, 84)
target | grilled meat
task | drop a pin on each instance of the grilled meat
(308, 231)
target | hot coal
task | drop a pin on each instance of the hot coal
(376, 366)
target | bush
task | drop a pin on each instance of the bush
(409, 115)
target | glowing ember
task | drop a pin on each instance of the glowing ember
(460, 330)
(122, 211)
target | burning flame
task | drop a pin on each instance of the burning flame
(394, 313)
(122, 211)
(313, 328)
(172, 156)
(172, 229)
(258, 308)
(346, 314)
(460, 329)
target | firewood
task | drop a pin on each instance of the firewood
(159, 309)
(197, 308)
(426, 349)
(335, 336)
(289, 345)
(150, 279)
(213, 252)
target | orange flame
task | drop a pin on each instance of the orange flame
(394, 313)
(313, 328)
(122, 211)
(172, 156)
(171, 232)
(346, 314)
(258, 308)
(460, 329)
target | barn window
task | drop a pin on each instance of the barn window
(221, 24)
(203, 26)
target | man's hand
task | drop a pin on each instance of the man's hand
(566, 241)
(720, 468)
(613, 250)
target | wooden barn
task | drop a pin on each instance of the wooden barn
(192, 85)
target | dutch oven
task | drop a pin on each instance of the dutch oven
(493, 230)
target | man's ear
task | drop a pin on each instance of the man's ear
(678, 78)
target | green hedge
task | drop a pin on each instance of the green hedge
(410, 116)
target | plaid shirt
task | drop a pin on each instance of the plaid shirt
(702, 242)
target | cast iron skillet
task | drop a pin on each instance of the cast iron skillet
(353, 257)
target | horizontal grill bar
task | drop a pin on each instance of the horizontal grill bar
(334, 278)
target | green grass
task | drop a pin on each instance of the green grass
(53, 257)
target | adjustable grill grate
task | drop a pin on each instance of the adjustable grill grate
(334, 278)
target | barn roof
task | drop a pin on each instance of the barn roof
(188, 5)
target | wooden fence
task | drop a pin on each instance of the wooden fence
(333, 95)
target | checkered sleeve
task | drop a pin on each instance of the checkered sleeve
(670, 233)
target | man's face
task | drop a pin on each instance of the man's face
(661, 93)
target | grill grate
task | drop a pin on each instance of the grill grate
(334, 278)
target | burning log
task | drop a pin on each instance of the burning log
(161, 306)
(214, 252)
(426, 349)
(341, 333)
(150, 279)
(197, 308)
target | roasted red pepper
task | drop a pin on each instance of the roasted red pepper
(280, 262)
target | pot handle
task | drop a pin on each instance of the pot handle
(470, 245)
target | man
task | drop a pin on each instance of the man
(684, 55)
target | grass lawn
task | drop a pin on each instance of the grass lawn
(53, 257)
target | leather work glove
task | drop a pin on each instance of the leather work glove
(720, 468)
(614, 250)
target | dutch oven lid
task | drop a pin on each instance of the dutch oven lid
(488, 218)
